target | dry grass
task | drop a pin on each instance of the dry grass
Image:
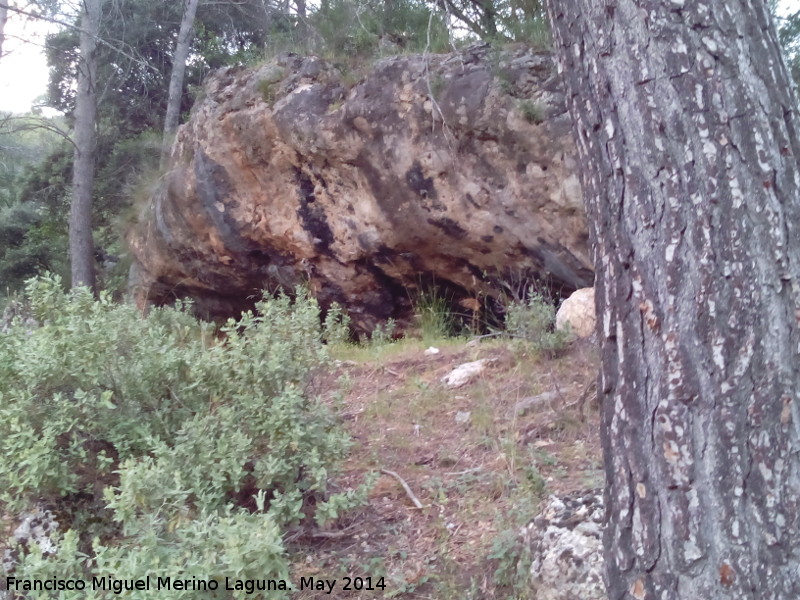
(478, 480)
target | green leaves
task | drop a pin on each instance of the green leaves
(533, 320)
(190, 453)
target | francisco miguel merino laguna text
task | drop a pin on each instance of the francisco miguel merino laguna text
(55, 584)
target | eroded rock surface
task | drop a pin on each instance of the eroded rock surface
(567, 548)
(37, 526)
(455, 169)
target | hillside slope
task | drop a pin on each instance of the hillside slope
(479, 458)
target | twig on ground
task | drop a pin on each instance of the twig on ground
(347, 531)
(305, 531)
(464, 472)
(402, 481)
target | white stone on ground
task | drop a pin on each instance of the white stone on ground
(577, 312)
(462, 374)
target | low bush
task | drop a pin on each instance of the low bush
(533, 319)
(531, 111)
(172, 452)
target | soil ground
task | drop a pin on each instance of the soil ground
(478, 466)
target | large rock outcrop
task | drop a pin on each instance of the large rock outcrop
(455, 170)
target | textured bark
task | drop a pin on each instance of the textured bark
(688, 135)
(81, 245)
(3, 19)
(178, 72)
(302, 23)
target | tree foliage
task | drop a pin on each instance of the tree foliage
(31, 230)
(789, 33)
(520, 20)
(134, 61)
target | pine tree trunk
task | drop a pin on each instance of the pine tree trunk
(488, 17)
(302, 24)
(182, 47)
(688, 133)
(81, 245)
(3, 19)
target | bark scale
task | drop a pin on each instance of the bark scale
(687, 130)
(3, 20)
(182, 47)
(302, 23)
(81, 244)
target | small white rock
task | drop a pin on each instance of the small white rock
(431, 351)
(464, 373)
(463, 416)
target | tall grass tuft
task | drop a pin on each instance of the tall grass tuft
(435, 315)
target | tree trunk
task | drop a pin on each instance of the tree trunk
(302, 24)
(81, 245)
(3, 19)
(688, 135)
(488, 17)
(182, 47)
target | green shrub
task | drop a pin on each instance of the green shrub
(178, 453)
(383, 333)
(533, 320)
(357, 28)
(336, 328)
(531, 111)
(28, 244)
(209, 547)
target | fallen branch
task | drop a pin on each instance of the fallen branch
(402, 481)
(464, 472)
(589, 395)
(306, 532)
(347, 531)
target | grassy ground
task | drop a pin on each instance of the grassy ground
(477, 467)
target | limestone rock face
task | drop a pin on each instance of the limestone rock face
(36, 526)
(567, 548)
(577, 312)
(455, 169)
